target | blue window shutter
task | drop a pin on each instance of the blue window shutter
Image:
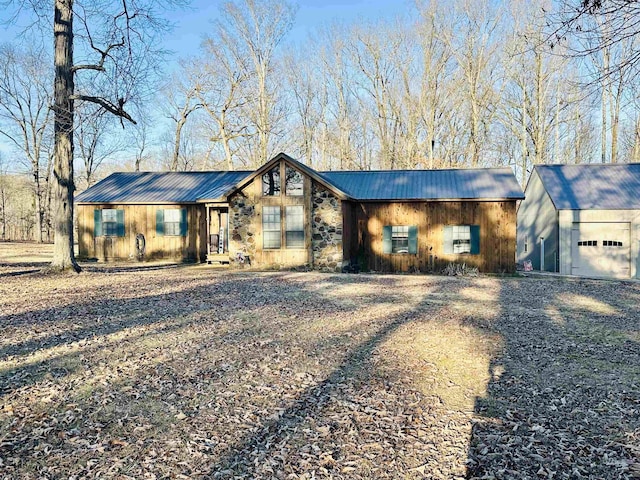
(120, 219)
(97, 223)
(159, 222)
(413, 239)
(386, 239)
(475, 239)
(184, 225)
(448, 239)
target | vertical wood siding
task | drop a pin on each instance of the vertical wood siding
(142, 219)
(497, 221)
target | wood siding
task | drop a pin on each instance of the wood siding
(142, 219)
(497, 221)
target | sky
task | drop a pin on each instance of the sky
(194, 23)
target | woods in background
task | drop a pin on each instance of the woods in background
(458, 83)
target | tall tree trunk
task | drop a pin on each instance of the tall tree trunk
(523, 138)
(39, 211)
(63, 257)
(176, 146)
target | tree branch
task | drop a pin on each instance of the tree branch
(117, 110)
(103, 56)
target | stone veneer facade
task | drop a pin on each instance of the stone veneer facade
(326, 229)
(242, 238)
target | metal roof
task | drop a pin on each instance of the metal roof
(451, 184)
(368, 185)
(592, 186)
(161, 187)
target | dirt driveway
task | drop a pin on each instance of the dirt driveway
(188, 373)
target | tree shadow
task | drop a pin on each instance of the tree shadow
(563, 399)
(207, 384)
(315, 409)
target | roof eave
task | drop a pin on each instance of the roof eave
(471, 199)
(126, 202)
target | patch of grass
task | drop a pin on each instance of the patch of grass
(445, 359)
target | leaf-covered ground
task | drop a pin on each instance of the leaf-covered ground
(191, 372)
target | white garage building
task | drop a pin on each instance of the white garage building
(582, 220)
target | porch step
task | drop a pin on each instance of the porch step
(218, 258)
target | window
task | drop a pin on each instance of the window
(611, 243)
(588, 243)
(526, 243)
(400, 239)
(293, 182)
(108, 222)
(171, 222)
(271, 182)
(271, 235)
(294, 222)
(462, 239)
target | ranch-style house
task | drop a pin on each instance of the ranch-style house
(287, 214)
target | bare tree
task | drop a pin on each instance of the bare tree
(25, 99)
(181, 102)
(141, 141)
(4, 197)
(95, 141)
(578, 25)
(113, 43)
(477, 50)
(258, 27)
(223, 93)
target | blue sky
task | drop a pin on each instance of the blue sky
(192, 24)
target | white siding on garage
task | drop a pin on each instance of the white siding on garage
(537, 218)
(568, 220)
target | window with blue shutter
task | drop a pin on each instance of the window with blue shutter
(159, 222)
(461, 239)
(97, 223)
(172, 222)
(184, 223)
(386, 239)
(108, 222)
(448, 239)
(413, 239)
(120, 223)
(475, 239)
(400, 239)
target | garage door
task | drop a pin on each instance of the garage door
(600, 250)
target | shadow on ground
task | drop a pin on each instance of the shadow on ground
(564, 401)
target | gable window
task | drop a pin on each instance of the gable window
(108, 222)
(462, 239)
(171, 222)
(271, 182)
(293, 182)
(271, 234)
(294, 222)
(400, 239)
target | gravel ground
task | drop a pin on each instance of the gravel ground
(189, 372)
